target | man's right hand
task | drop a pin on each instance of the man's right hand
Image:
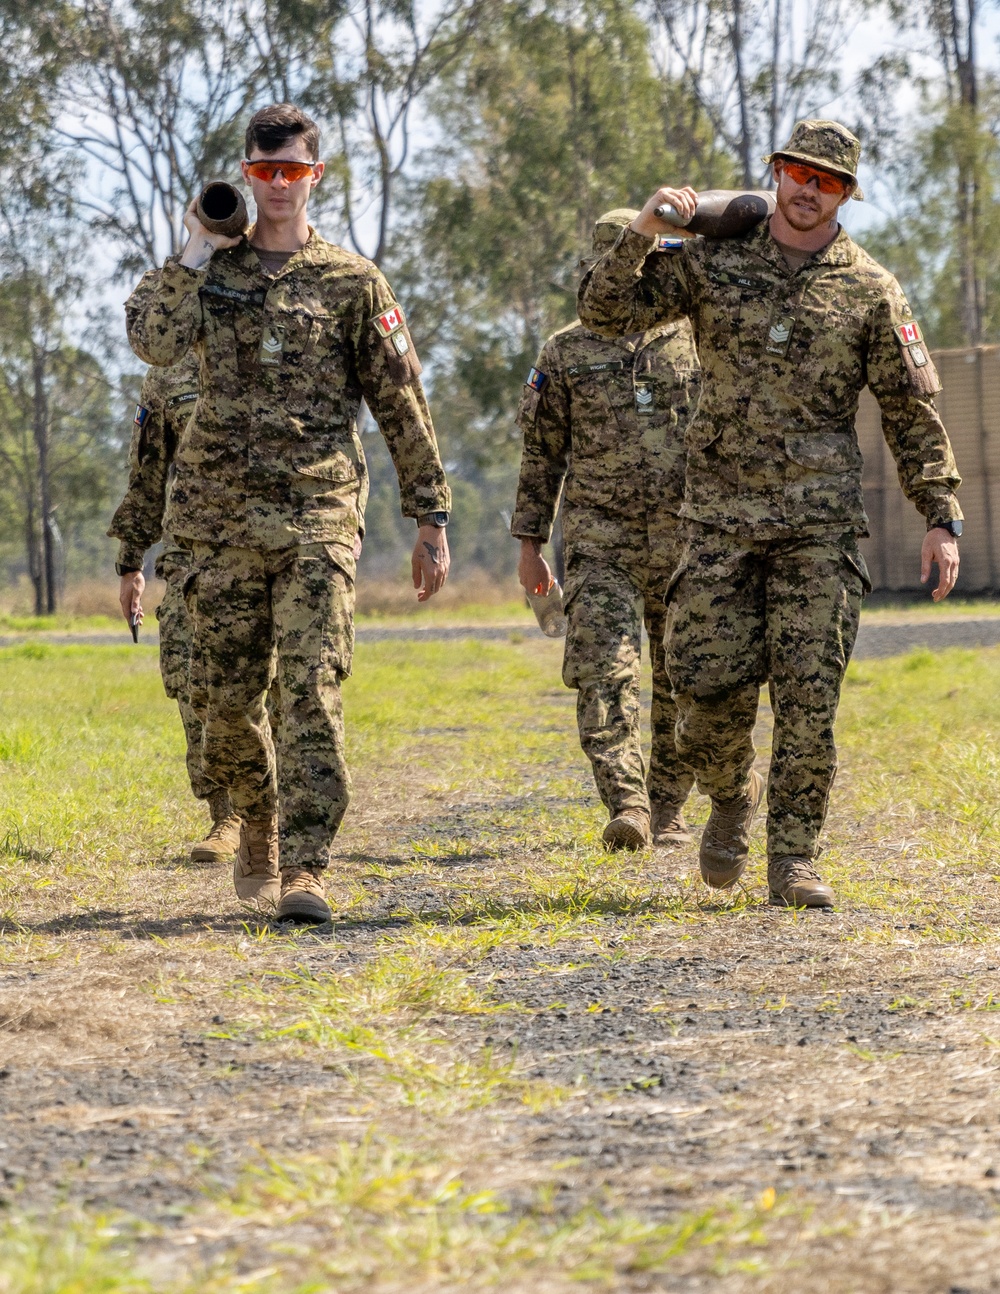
(683, 200)
(202, 245)
(130, 595)
(533, 570)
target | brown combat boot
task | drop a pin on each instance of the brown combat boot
(627, 830)
(224, 838)
(794, 883)
(668, 826)
(255, 871)
(303, 898)
(725, 842)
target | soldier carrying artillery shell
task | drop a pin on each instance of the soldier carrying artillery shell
(791, 321)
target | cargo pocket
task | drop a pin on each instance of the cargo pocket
(830, 452)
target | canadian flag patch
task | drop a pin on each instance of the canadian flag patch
(909, 333)
(390, 321)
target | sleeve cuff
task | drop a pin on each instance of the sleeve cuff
(527, 525)
(178, 281)
(129, 556)
(944, 507)
(633, 247)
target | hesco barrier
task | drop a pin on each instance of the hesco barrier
(970, 407)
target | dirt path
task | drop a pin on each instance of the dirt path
(703, 1052)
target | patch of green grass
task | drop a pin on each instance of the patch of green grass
(61, 624)
(377, 1217)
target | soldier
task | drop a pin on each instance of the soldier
(165, 404)
(291, 333)
(606, 418)
(791, 321)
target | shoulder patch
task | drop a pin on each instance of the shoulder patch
(666, 243)
(536, 379)
(389, 321)
(909, 333)
(916, 358)
(141, 414)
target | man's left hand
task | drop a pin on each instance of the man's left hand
(939, 546)
(431, 560)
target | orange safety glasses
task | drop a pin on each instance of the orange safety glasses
(291, 171)
(802, 174)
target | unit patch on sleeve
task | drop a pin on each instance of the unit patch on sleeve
(667, 243)
(390, 321)
(909, 335)
(536, 379)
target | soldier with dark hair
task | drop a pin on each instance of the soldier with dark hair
(603, 422)
(290, 333)
(791, 321)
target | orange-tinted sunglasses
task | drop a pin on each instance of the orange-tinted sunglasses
(292, 171)
(825, 182)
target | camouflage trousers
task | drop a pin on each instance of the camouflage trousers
(176, 646)
(292, 608)
(741, 613)
(606, 609)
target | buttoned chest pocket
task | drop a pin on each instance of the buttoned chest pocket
(832, 347)
(592, 412)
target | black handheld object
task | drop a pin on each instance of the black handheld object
(222, 209)
(134, 625)
(722, 213)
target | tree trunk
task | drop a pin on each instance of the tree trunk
(41, 430)
(736, 41)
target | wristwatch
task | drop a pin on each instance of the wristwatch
(954, 528)
(438, 519)
(126, 570)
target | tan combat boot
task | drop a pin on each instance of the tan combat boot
(303, 898)
(627, 830)
(224, 838)
(725, 842)
(794, 883)
(255, 872)
(668, 826)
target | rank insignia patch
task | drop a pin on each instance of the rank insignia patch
(272, 346)
(536, 379)
(390, 321)
(909, 333)
(778, 336)
(643, 398)
(141, 415)
(400, 342)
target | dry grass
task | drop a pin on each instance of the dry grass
(517, 1063)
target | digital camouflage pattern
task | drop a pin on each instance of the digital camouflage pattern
(606, 426)
(606, 607)
(745, 612)
(239, 598)
(270, 494)
(166, 401)
(772, 450)
(271, 456)
(772, 582)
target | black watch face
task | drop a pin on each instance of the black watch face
(955, 528)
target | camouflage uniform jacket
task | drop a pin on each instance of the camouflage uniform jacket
(607, 416)
(166, 401)
(271, 456)
(772, 450)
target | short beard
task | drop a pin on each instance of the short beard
(797, 218)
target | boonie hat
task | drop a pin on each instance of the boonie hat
(609, 226)
(826, 144)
